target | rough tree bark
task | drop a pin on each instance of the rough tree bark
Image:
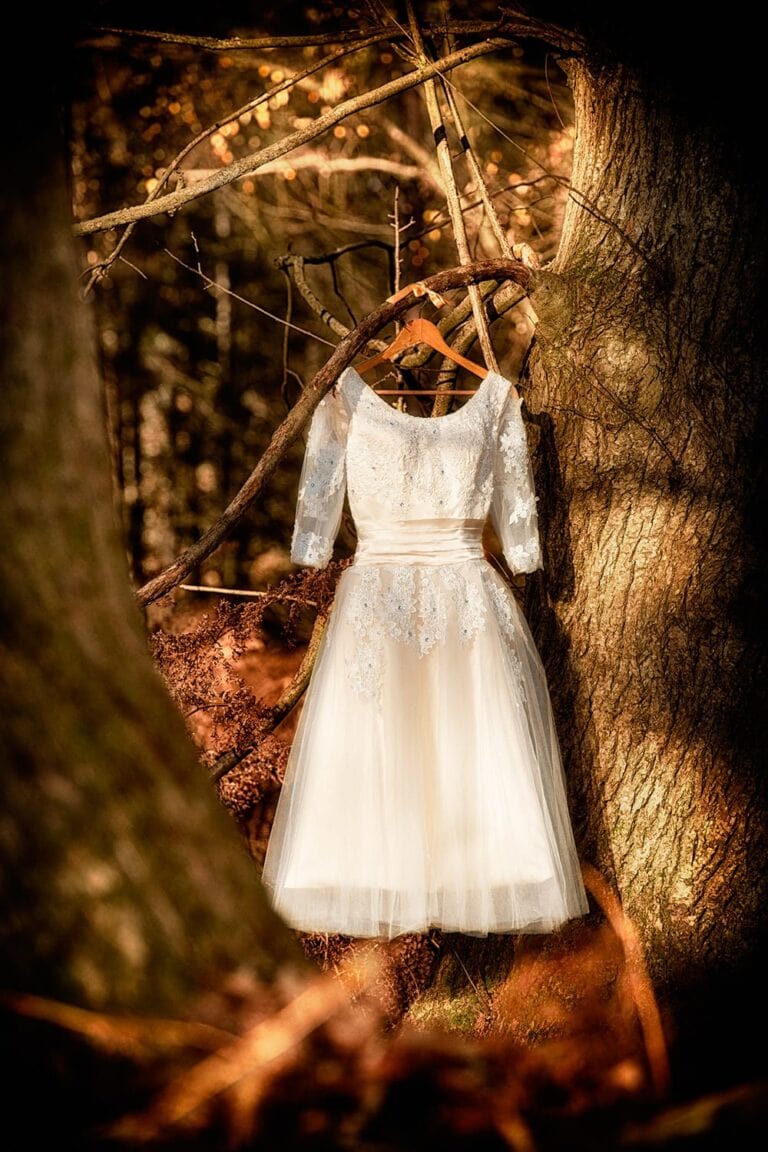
(124, 884)
(647, 383)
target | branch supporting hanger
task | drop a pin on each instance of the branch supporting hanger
(421, 331)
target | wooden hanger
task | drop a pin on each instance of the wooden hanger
(420, 331)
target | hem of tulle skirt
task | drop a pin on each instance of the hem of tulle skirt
(387, 933)
(388, 929)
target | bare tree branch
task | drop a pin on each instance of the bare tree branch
(295, 689)
(398, 229)
(311, 212)
(444, 220)
(296, 266)
(511, 23)
(477, 175)
(172, 201)
(450, 188)
(330, 257)
(280, 709)
(292, 425)
(325, 163)
(209, 283)
(253, 43)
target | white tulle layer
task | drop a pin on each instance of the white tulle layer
(440, 802)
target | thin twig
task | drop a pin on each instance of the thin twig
(227, 761)
(396, 228)
(326, 165)
(329, 257)
(522, 251)
(291, 694)
(485, 994)
(458, 325)
(286, 329)
(209, 283)
(447, 325)
(575, 194)
(134, 267)
(549, 89)
(442, 221)
(248, 44)
(430, 173)
(242, 592)
(336, 282)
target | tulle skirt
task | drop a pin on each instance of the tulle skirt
(437, 799)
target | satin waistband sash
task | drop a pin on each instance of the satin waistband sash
(442, 540)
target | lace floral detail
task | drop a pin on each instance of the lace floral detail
(366, 669)
(470, 604)
(412, 449)
(321, 485)
(501, 599)
(311, 549)
(324, 480)
(397, 604)
(513, 503)
(514, 449)
(514, 445)
(412, 606)
(525, 557)
(485, 488)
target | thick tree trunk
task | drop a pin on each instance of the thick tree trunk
(646, 408)
(648, 398)
(124, 883)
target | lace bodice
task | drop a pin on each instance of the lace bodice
(394, 466)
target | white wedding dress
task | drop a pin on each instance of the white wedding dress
(424, 786)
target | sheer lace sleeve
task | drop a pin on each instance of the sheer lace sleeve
(322, 484)
(513, 504)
